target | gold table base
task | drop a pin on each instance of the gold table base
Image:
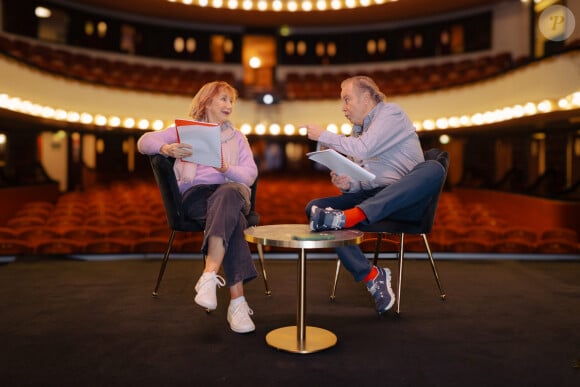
(300, 338)
(316, 339)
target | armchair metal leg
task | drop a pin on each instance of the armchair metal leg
(400, 281)
(261, 256)
(333, 293)
(378, 246)
(164, 262)
(433, 266)
(401, 256)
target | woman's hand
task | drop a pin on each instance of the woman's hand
(340, 181)
(176, 150)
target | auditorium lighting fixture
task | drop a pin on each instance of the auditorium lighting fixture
(283, 5)
(274, 129)
(102, 120)
(289, 130)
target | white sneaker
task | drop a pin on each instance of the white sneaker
(206, 290)
(239, 318)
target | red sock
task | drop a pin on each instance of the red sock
(372, 274)
(353, 217)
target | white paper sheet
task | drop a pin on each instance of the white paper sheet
(340, 164)
(205, 141)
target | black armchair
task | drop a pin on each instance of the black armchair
(165, 177)
(421, 227)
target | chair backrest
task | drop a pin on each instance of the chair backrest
(425, 223)
(443, 158)
(167, 182)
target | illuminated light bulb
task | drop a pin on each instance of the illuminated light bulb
(27, 107)
(246, 129)
(73, 117)
(42, 12)
(499, 115)
(332, 128)
(255, 62)
(217, 3)
(454, 122)
(22, 106)
(335, 4)
(564, 103)
(418, 126)
(576, 99)
(518, 111)
(129, 122)
(346, 129)
(247, 5)
(47, 112)
(289, 130)
(260, 129)
(274, 129)
(530, 109)
(428, 124)
(277, 5)
(4, 100)
(114, 121)
(143, 124)
(36, 109)
(507, 113)
(60, 114)
(488, 117)
(465, 120)
(262, 5)
(158, 125)
(100, 120)
(302, 131)
(201, 3)
(545, 106)
(442, 123)
(350, 3)
(292, 6)
(86, 118)
(321, 5)
(477, 119)
(306, 6)
(444, 139)
(232, 4)
(13, 103)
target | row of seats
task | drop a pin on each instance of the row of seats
(401, 81)
(187, 81)
(128, 217)
(111, 72)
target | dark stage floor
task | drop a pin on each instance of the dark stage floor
(75, 323)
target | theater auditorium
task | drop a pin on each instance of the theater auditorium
(98, 280)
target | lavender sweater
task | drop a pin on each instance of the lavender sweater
(244, 171)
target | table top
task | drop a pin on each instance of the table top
(284, 235)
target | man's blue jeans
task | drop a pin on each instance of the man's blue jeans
(404, 200)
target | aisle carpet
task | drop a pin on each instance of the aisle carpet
(75, 323)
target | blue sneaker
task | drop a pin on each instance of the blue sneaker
(326, 219)
(380, 289)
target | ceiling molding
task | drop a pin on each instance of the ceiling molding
(164, 12)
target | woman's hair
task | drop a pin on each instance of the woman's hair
(363, 83)
(199, 103)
